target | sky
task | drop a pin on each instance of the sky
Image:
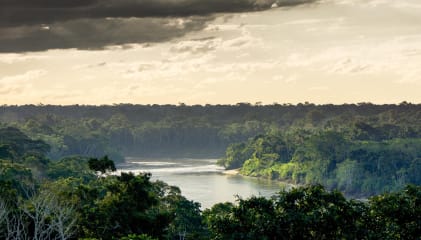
(209, 51)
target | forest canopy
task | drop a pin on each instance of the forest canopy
(361, 149)
(197, 131)
(79, 197)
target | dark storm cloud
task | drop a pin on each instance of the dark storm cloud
(34, 25)
(17, 12)
(97, 33)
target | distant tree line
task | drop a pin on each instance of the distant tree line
(196, 131)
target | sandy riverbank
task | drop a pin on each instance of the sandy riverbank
(232, 172)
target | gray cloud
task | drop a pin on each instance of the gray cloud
(18, 12)
(96, 33)
(35, 25)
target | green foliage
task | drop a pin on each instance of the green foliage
(362, 149)
(6, 152)
(187, 220)
(133, 207)
(358, 168)
(14, 145)
(102, 165)
(261, 151)
(235, 156)
(67, 167)
(130, 206)
(119, 206)
(314, 213)
(15, 174)
(303, 213)
(8, 193)
(396, 215)
(169, 130)
(18, 151)
(218, 219)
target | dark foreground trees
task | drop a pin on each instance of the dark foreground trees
(134, 207)
(102, 165)
(111, 207)
(314, 213)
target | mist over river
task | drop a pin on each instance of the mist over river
(201, 180)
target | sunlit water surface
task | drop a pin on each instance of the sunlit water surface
(202, 180)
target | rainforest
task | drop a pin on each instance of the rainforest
(59, 181)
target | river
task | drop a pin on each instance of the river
(202, 180)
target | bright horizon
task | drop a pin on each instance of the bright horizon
(328, 52)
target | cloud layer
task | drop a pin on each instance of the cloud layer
(96, 33)
(335, 51)
(36, 25)
(17, 12)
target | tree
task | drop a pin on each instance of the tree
(187, 222)
(67, 167)
(116, 206)
(314, 213)
(50, 218)
(302, 213)
(37, 216)
(102, 165)
(396, 215)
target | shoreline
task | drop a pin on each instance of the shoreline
(361, 198)
(236, 172)
(231, 172)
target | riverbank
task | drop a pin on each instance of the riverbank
(236, 172)
(290, 184)
(232, 172)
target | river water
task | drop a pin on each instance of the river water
(202, 180)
